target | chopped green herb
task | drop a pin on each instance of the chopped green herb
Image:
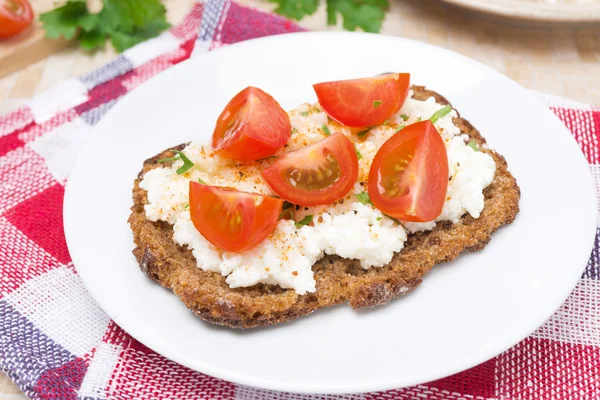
(473, 144)
(404, 117)
(287, 209)
(304, 113)
(294, 130)
(419, 119)
(163, 160)
(187, 206)
(379, 218)
(326, 130)
(399, 128)
(385, 122)
(304, 221)
(377, 103)
(358, 155)
(363, 133)
(442, 112)
(202, 182)
(285, 212)
(187, 163)
(363, 198)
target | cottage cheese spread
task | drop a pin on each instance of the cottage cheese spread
(346, 228)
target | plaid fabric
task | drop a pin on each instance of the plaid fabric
(57, 344)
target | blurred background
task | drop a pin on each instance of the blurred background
(552, 46)
(547, 45)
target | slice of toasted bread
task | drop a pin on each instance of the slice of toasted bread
(338, 280)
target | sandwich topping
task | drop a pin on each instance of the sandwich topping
(329, 189)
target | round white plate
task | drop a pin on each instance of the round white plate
(464, 313)
(538, 11)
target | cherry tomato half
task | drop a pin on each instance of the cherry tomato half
(318, 174)
(409, 175)
(363, 102)
(252, 126)
(232, 220)
(15, 16)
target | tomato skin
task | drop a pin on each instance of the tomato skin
(15, 16)
(408, 179)
(252, 126)
(335, 156)
(232, 220)
(363, 102)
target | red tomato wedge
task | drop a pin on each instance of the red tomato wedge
(15, 16)
(232, 220)
(252, 126)
(363, 102)
(315, 175)
(408, 179)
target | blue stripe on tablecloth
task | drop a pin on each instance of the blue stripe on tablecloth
(593, 267)
(107, 72)
(25, 351)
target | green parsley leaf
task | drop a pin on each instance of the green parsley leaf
(473, 144)
(367, 15)
(187, 163)
(326, 130)
(64, 21)
(404, 117)
(379, 218)
(363, 198)
(385, 122)
(92, 40)
(202, 182)
(125, 22)
(294, 130)
(442, 112)
(399, 128)
(377, 103)
(296, 9)
(419, 119)
(132, 15)
(304, 113)
(304, 221)
(358, 155)
(89, 22)
(122, 41)
(186, 206)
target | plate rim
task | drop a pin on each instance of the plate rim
(360, 387)
(535, 12)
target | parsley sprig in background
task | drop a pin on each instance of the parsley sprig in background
(125, 22)
(367, 15)
(129, 22)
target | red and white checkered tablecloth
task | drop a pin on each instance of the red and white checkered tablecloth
(55, 342)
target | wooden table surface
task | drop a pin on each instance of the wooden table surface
(560, 61)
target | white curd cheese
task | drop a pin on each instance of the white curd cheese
(361, 233)
(346, 228)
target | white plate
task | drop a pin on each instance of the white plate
(538, 11)
(464, 313)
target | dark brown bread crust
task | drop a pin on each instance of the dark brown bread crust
(338, 280)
